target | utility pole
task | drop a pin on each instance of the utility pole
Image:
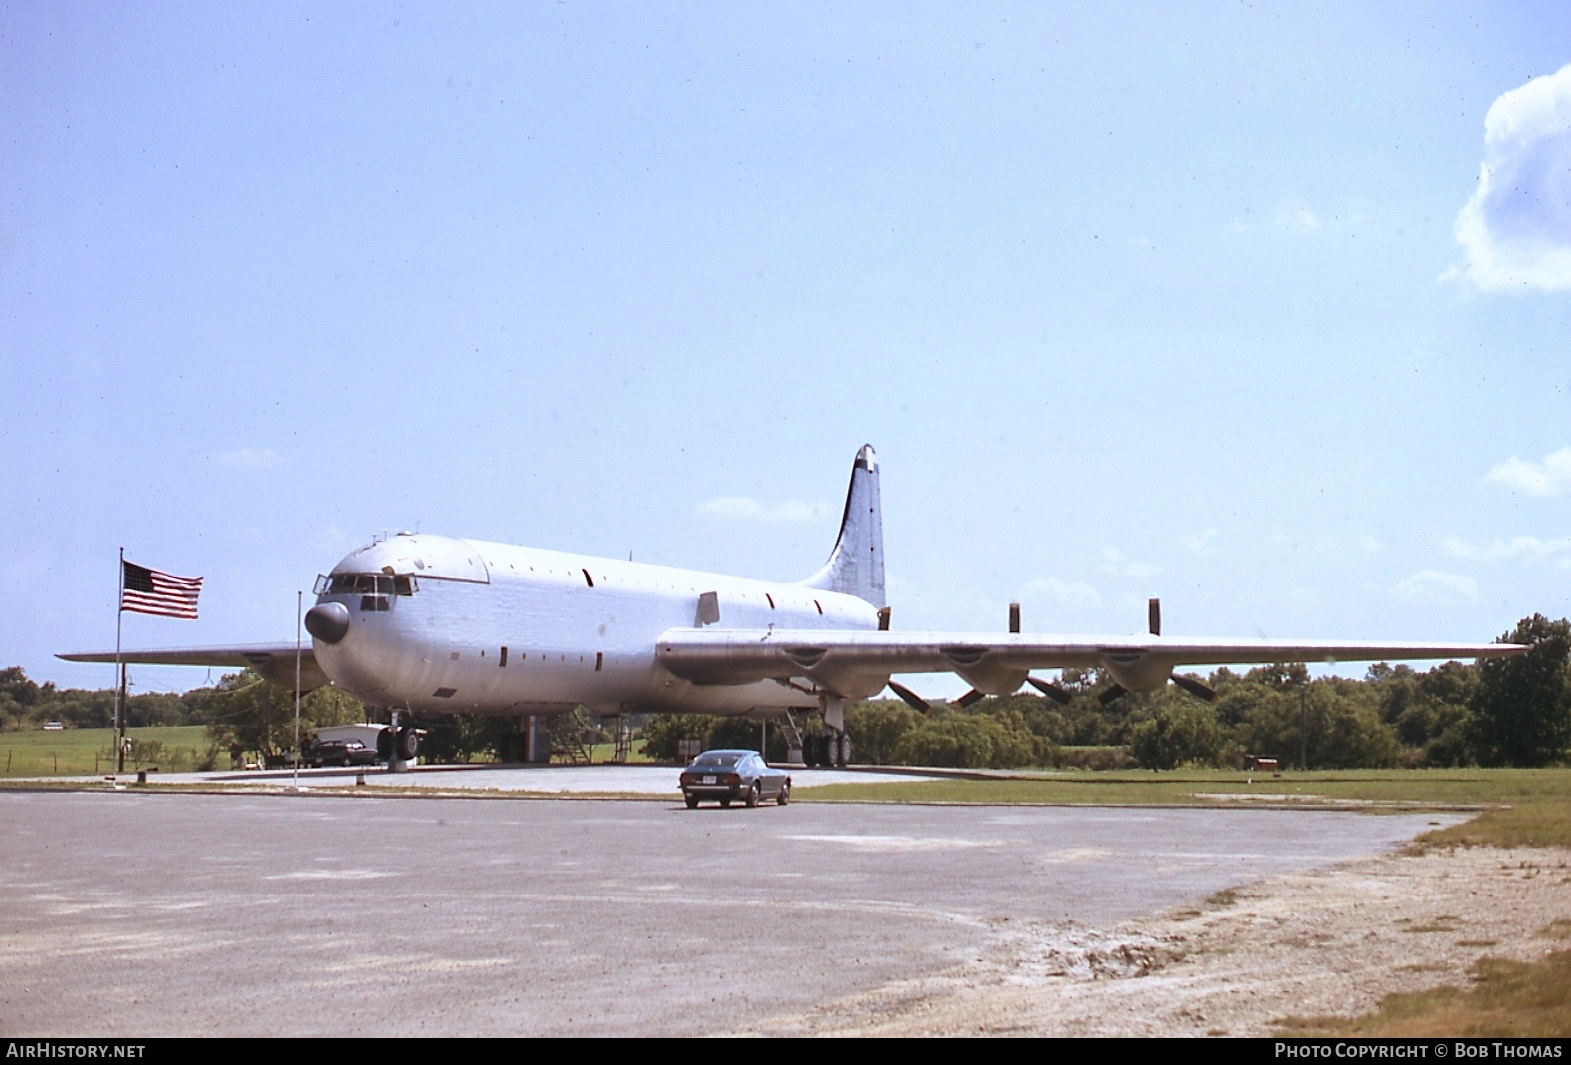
(1303, 733)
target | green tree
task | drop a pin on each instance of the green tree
(662, 732)
(877, 728)
(246, 711)
(1341, 727)
(971, 741)
(1183, 731)
(1522, 707)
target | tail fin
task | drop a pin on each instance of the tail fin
(856, 565)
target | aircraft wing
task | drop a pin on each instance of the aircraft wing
(848, 662)
(276, 662)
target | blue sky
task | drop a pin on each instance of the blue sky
(1264, 311)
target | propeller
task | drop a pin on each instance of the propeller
(1051, 690)
(1189, 684)
(910, 698)
(1194, 687)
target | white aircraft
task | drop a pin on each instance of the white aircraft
(429, 624)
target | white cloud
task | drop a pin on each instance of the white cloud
(743, 508)
(1113, 561)
(1062, 593)
(1516, 229)
(1546, 478)
(1527, 548)
(248, 458)
(1298, 219)
(1433, 588)
(1201, 543)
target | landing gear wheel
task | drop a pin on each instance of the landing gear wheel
(785, 794)
(408, 743)
(725, 804)
(752, 797)
(692, 801)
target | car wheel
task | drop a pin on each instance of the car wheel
(785, 794)
(692, 801)
(725, 804)
(752, 796)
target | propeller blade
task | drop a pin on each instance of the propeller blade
(970, 697)
(1051, 690)
(1154, 615)
(1116, 692)
(1014, 617)
(1195, 688)
(910, 698)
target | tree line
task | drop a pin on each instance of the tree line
(1500, 712)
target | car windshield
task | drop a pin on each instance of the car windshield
(712, 758)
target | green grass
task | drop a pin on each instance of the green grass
(84, 751)
(1508, 998)
(1523, 807)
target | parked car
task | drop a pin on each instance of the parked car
(339, 752)
(730, 775)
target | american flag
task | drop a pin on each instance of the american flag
(146, 591)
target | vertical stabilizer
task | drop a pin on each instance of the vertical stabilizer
(856, 565)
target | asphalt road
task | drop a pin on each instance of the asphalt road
(131, 914)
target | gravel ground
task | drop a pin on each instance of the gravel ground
(1332, 941)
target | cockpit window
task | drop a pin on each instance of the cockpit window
(365, 584)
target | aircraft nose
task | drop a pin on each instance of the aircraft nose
(328, 622)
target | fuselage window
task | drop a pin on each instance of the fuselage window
(366, 584)
(502, 664)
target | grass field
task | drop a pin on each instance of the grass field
(1506, 999)
(76, 752)
(81, 751)
(1523, 807)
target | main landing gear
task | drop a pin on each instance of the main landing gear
(827, 751)
(398, 745)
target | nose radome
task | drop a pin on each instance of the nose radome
(328, 622)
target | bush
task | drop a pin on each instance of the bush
(971, 741)
(1096, 758)
(877, 728)
(1183, 732)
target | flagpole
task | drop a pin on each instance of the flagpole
(119, 760)
(299, 603)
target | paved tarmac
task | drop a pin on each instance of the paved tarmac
(555, 779)
(134, 914)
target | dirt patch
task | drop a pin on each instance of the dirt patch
(1332, 941)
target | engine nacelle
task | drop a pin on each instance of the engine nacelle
(1137, 671)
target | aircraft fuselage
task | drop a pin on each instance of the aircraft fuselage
(441, 624)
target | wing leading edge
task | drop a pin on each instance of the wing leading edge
(276, 662)
(858, 664)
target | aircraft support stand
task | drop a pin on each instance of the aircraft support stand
(395, 757)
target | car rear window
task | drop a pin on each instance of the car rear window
(717, 759)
